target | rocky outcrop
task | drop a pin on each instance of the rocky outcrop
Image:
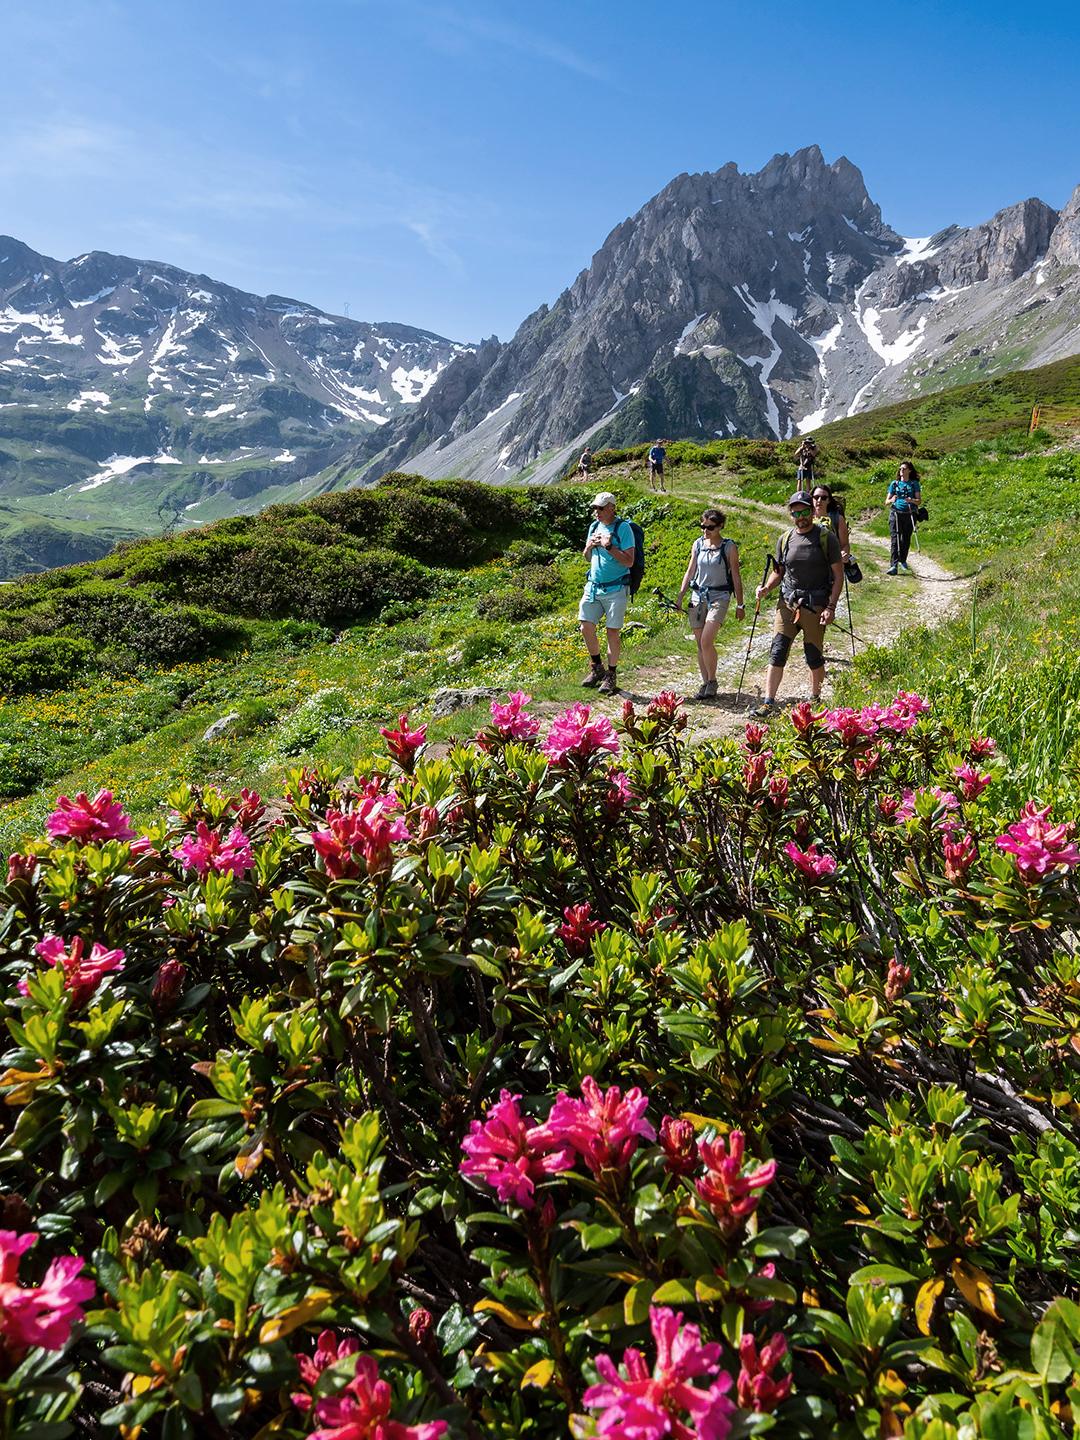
(756, 304)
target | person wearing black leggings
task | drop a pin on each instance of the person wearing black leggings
(903, 499)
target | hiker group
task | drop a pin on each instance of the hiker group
(810, 566)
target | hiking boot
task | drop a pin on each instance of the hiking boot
(708, 690)
(608, 685)
(891, 570)
(702, 691)
(904, 569)
(594, 677)
(765, 710)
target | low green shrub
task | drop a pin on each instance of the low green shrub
(511, 605)
(46, 663)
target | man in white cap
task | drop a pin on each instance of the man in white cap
(609, 549)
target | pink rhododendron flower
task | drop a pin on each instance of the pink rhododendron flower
(639, 1404)
(511, 1155)
(604, 1126)
(889, 807)
(329, 1349)
(865, 765)
(576, 732)
(664, 706)
(38, 1317)
(82, 973)
(206, 850)
(403, 743)
(421, 1322)
(754, 772)
(853, 726)
(366, 832)
(981, 747)
(729, 1194)
(21, 867)
(577, 930)
(972, 781)
(779, 787)
(945, 798)
(618, 795)
(755, 736)
(897, 979)
(1038, 847)
(362, 1411)
(814, 864)
(678, 1142)
(756, 1387)
(803, 716)
(168, 984)
(89, 821)
(961, 852)
(512, 720)
(248, 808)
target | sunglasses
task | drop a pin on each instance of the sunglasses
(801, 513)
(708, 527)
(820, 496)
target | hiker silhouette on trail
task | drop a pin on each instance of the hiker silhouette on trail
(904, 498)
(609, 548)
(584, 465)
(806, 460)
(810, 574)
(712, 577)
(657, 456)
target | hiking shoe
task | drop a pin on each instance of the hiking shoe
(708, 690)
(703, 691)
(594, 677)
(891, 570)
(608, 685)
(766, 709)
(904, 570)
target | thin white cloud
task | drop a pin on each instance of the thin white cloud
(62, 148)
(457, 29)
(436, 247)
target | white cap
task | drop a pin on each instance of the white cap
(603, 499)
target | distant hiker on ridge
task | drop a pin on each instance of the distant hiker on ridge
(609, 549)
(657, 456)
(903, 498)
(584, 465)
(712, 577)
(806, 459)
(810, 573)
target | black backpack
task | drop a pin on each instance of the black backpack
(637, 569)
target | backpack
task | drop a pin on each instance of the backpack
(637, 568)
(725, 541)
(637, 565)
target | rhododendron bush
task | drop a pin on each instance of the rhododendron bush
(575, 1082)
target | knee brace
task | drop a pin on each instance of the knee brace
(814, 658)
(781, 648)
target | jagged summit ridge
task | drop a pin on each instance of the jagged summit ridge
(762, 303)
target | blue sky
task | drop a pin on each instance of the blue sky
(451, 165)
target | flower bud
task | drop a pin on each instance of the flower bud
(679, 1145)
(420, 1323)
(168, 985)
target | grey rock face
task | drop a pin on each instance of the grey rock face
(757, 304)
(221, 726)
(447, 701)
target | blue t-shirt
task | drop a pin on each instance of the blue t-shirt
(904, 492)
(604, 569)
(657, 454)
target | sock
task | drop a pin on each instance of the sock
(597, 662)
(611, 668)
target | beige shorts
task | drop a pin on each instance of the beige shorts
(701, 613)
(809, 623)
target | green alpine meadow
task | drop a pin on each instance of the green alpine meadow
(533, 1066)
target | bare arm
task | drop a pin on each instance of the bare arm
(736, 576)
(844, 536)
(776, 574)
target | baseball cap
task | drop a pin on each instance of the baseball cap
(801, 497)
(604, 498)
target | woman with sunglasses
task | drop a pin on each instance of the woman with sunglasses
(829, 516)
(712, 576)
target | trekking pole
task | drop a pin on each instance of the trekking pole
(850, 621)
(666, 602)
(753, 627)
(915, 534)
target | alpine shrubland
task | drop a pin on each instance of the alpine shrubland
(561, 1077)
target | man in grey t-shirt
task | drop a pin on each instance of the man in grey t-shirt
(810, 573)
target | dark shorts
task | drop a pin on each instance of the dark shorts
(657, 465)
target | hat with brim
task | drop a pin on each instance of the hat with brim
(603, 500)
(801, 497)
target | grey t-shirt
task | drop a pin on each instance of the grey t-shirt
(807, 571)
